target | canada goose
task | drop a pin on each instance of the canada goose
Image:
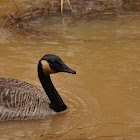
(20, 100)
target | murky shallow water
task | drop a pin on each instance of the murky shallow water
(103, 98)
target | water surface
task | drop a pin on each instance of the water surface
(103, 98)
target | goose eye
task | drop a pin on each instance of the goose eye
(51, 61)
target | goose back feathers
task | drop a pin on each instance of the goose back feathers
(20, 100)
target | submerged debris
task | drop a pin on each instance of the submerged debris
(20, 19)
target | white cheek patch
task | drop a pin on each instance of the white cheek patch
(46, 67)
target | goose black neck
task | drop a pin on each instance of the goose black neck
(57, 103)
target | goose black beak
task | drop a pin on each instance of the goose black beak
(65, 68)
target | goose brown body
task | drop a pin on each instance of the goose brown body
(20, 100)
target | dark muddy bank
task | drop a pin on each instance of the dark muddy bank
(91, 9)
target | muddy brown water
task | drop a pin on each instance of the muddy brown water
(103, 98)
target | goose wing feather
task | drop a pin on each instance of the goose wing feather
(20, 100)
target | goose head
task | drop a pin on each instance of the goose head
(47, 65)
(51, 63)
